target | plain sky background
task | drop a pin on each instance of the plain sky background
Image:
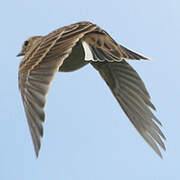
(86, 134)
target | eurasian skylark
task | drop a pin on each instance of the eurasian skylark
(70, 48)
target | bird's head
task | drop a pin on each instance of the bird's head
(28, 44)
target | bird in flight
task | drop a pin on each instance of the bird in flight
(71, 47)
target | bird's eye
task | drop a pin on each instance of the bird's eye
(26, 43)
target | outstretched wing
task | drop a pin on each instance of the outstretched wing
(131, 94)
(125, 84)
(38, 68)
(104, 48)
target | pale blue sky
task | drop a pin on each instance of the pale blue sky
(87, 136)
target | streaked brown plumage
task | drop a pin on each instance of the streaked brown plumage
(65, 50)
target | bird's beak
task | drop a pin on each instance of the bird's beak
(20, 54)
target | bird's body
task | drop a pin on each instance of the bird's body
(71, 47)
(77, 53)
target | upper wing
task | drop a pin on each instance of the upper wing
(131, 94)
(38, 68)
(103, 47)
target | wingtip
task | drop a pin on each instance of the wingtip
(148, 58)
(160, 155)
(37, 149)
(141, 56)
(37, 153)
